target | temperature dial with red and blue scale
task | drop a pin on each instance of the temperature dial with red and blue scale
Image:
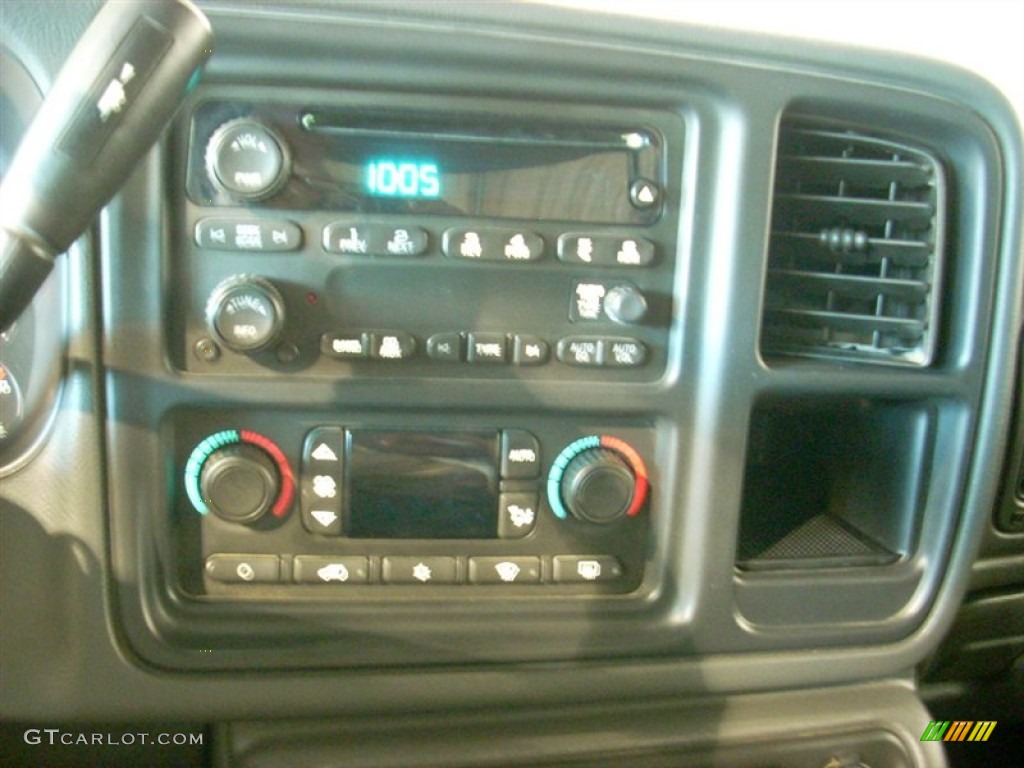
(240, 476)
(598, 479)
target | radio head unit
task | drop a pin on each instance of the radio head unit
(366, 161)
(361, 235)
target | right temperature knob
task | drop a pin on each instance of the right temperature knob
(598, 479)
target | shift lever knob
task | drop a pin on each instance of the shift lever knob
(111, 101)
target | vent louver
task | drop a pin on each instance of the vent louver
(856, 248)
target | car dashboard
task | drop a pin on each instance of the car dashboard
(496, 384)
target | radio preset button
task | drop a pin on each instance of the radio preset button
(504, 570)
(520, 455)
(244, 569)
(358, 239)
(445, 346)
(530, 350)
(405, 241)
(517, 515)
(420, 570)
(584, 569)
(493, 244)
(605, 250)
(237, 234)
(313, 569)
(392, 346)
(345, 346)
(487, 348)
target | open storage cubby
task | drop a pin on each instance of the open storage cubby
(833, 483)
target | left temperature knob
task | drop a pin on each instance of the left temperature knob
(246, 313)
(239, 483)
(240, 476)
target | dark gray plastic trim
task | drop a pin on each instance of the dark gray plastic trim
(95, 592)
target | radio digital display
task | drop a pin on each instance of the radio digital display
(413, 485)
(408, 179)
(380, 164)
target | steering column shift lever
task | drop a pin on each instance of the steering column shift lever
(113, 98)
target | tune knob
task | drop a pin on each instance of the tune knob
(597, 479)
(239, 483)
(247, 159)
(246, 313)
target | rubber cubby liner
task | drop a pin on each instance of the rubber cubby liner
(833, 483)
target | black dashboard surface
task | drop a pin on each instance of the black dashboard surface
(664, 460)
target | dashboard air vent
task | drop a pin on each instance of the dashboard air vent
(856, 248)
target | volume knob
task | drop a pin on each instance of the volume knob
(247, 160)
(246, 313)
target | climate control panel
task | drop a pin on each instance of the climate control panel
(307, 506)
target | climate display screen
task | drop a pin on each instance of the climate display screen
(418, 485)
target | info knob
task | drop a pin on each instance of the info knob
(246, 313)
(239, 483)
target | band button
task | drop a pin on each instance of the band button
(345, 346)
